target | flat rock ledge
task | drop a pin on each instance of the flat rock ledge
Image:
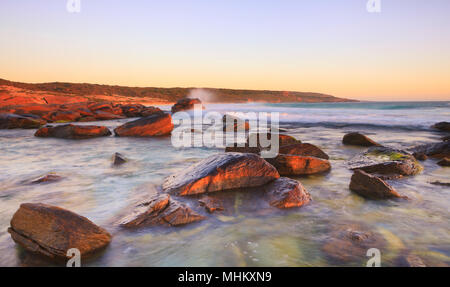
(221, 172)
(70, 131)
(51, 231)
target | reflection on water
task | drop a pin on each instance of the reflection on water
(247, 233)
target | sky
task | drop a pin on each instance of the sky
(335, 47)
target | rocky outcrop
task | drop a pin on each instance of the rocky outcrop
(158, 124)
(434, 150)
(371, 187)
(286, 193)
(358, 140)
(70, 131)
(185, 104)
(444, 162)
(386, 162)
(299, 165)
(12, 121)
(118, 159)
(304, 149)
(221, 172)
(62, 116)
(51, 231)
(160, 209)
(442, 126)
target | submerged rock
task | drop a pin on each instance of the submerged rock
(12, 121)
(160, 209)
(358, 139)
(118, 159)
(386, 162)
(299, 165)
(222, 172)
(286, 193)
(157, 124)
(48, 179)
(445, 139)
(444, 162)
(434, 150)
(420, 156)
(70, 131)
(51, 231)
(304, 149)
(372, 187)
(440, 183)
(211, 204)
(442, 126)
(185, 104)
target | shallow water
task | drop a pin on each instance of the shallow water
(250, 234)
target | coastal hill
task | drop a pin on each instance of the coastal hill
(16, 93)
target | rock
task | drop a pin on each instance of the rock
(160, 209)
(51, 231)
(299, 165)
(221, 172)
(12, 121)
(211, 204)
(420, 156)
(442, 126)
(70, 131)
(286, 193)
(118, 159)
(414, 261)
(48, 179)
(244, 149)
(62, 116)
(358, 139)
(372, 187)
(386, 162)
(154, 125)
(87, 119)
(444, 162)
(304, 149)
(106, 116)
(349, 243)
(148, 111)
(282, 139)
(440, 183)
(185, 104)
(445, 139)
(434, 150)
(232, 123)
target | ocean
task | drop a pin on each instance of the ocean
(251, 234)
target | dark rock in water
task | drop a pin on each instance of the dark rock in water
(372, 187)
(222, 172)
(73, 132)
(51, 231)
(440, 183)
(48, 179)
(159, 209)
(304, 149)
(211, 204)
(155, 125)
(445, 139)
(387, 162)
(138, 110)
(286, 193)
(243, 149)
(358, 139)
(12, 121)
(185, 104)
(232, 123)
(350, 243)
(434, 150)
(444, 162)
(442, 126)
(254, 139)
(299, 165)
(420, 156)
(118, 159)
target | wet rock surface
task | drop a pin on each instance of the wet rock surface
(51, 231)
(299, 165)
(233, 124)
(304, 149)
(286, 193)
(386, 162)
(253, 139)
(358, 139)
(12, 121)
(185, 104)
(372, 187)
(70, 131)
(211, 204)
(118, 159)
(49, 178)
(444, 162)
(442, 126)
(158, 124)
(434, 150)
(221, 172)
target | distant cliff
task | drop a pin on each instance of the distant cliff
(163, 95)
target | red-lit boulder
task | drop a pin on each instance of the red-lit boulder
(299, 165)
(62, 116)
(372, 187)
(185, 104)
(304, 149)
(286, 193)
(155, 125)
(73, 131)
(358, 139)
(11, 121)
